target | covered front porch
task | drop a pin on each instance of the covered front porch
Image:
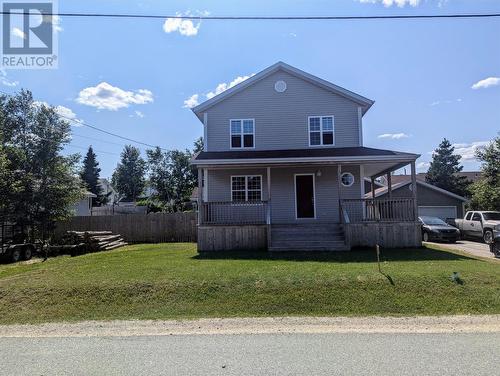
(303, 206)
(338, 218)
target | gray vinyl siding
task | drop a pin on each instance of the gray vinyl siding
(428, 197)
(219, 183)
(283, 190)
(281, 119)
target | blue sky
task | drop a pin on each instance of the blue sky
(419, 72)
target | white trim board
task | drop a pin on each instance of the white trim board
(355, 159)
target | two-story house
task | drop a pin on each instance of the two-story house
(283, 168)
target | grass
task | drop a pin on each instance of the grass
(166, 281)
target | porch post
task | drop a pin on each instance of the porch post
(200, 194)
(339, 188)
(268, 214)
(268, 207)
(389, 185)
(414, 189)
(373, 187)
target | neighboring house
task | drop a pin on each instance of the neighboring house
(431, 200)
(83, 208)
(368, 185)
(109, 191)
(284, 167)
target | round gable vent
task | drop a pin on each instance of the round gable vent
(280, 86)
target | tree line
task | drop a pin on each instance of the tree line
(39, 185)
(168, 175)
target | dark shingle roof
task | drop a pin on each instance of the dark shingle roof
(297, 153)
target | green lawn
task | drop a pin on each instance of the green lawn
(165, 281)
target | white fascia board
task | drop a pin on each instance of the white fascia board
(364, 159)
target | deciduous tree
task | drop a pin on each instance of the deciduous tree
(486, 191)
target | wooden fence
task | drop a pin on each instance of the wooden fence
(139, 228)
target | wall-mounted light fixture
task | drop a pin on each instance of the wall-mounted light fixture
(318, 173)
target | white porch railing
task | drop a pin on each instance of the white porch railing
(378, 210)
(235, 213)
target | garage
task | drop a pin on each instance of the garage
(442, 212)
(431, 200)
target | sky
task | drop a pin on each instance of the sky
(430, 79)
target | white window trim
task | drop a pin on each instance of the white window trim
(295, 195)
(246, 185)
(241, 135)
(353, 179)
(320, 130)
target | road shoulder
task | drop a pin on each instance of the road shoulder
(419, 324)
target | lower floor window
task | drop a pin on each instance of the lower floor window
(246, 188)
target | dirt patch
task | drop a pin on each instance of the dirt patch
(424, 324)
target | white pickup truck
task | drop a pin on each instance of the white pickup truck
(480, 224)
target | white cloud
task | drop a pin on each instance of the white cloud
(224, 86)
(446, 101)
(56, 23)
(139, 114)
(191, 102)
(389, 3)
(107, 97)
(486, 83)
(183, 26)
(468, 150)
(5, 81)
(64, 112)
(18, 33)
(393, 136)
(423, 165)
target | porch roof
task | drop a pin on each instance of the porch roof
(359, 154)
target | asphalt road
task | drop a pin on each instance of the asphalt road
(472, 247)
(259, 354)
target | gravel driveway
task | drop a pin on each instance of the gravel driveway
(474, 248)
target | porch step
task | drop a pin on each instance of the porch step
(309, 246)
(307, 237)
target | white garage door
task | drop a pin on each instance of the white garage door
(442, 212)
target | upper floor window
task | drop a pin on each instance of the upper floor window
(320, 130)
(242, 133)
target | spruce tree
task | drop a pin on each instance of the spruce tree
(90, 176)
(445, 168)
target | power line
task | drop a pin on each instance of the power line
(109, 133)
(81, 122)
(96, 139)
(75, 146)
(86, 148)
(265, 18)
